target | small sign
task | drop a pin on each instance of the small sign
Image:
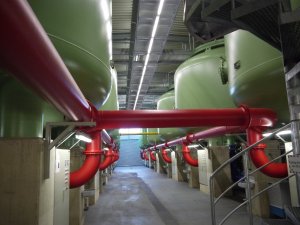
(294, 163)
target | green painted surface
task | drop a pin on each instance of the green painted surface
(22, 113)
(295, 4)
(80, 31)
(256, 76)
(153, 139)
(167, 102)
(198, 82)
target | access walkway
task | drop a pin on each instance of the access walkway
(140, 196)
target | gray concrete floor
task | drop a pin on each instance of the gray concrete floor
(139, 196)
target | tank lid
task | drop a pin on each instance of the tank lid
(209, 45)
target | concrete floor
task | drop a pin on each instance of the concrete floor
(139, 196)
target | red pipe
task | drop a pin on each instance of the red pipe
(212, 132)
(108, 159)
(146, 157)
(108, 139)
(142, 154)
(28, 54)
(259, 158)
(152, 155)
(91, 163)
(165, 156)
(116, 156)
(187, 156)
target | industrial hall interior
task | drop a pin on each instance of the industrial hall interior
(150, 112)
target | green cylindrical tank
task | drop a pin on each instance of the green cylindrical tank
(167, 102)
(153, 139)
(143, 139)
(256, 76)
(112, 102)
(23, 114)
(81, 33)
(200, 82)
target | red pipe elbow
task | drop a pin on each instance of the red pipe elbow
(90, 165)
(116, 156)
(165, 156)
(145, 155)
(187, 156)
(142, 154)
(259, 158)
(108, 160)
(152, 155)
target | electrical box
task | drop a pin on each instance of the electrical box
(61, 187)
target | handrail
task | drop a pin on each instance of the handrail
(243, 153)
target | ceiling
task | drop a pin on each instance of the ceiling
(132, 23)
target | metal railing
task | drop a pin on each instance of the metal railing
(249, 198)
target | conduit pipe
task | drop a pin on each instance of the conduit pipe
(145, 155)
(108, 159)
(212, 132)
(28, 54)
(91, 163)
(259, 158)
(165, 156)
(186, 153)
(152, 155)
(142, 154)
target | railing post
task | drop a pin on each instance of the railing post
(212, 200)
(248, 189)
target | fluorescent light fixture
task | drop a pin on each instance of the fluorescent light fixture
(193, 146)
(266, 134)
(159, 10)
(150, 46)
(83, 137)
(155, 26)
(130, 130)
(161, 4)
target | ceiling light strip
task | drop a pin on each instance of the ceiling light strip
(154, 29)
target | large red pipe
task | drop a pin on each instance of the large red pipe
(186, 153)
(152, 155)
(28, 54)
(259, 158)
(91, 163)
(212, 132)
(145, 155)
(108, 159)
(165, 156)
(116, 156)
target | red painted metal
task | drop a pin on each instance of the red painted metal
(145, 155)
(259, 158)
(90, 165)
(152, 155)
(28, 54)
(212, 132)
(108, 159)
(173, 118)
(116, 156)
(186, 153)
(165, 156)
(142, 154)
(108, 139)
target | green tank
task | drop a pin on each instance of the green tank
(81, 33)
(143, 139)
(153, 139)
(256, 76)
(167, 102)
(112, 102)
(200, 82)
(23, 114)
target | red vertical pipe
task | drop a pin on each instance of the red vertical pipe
(259, 158)
(165, 156)
(186, 153)
(152, 155)
(146, 157)
(91, 163)
(108, 159)
(142, 154)
(28, 54)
